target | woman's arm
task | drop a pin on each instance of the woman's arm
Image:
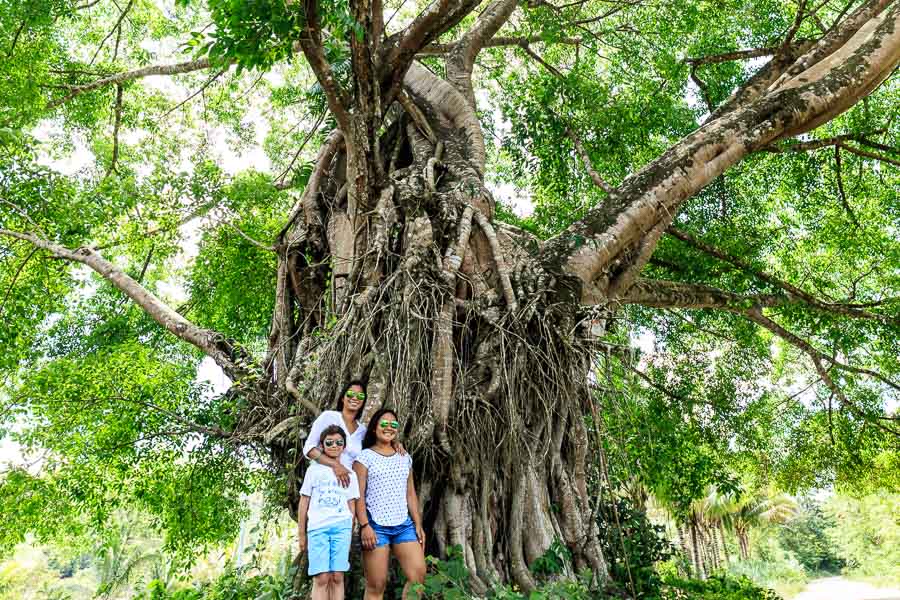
(312, 451)
(412, 501)
(302, 509)
(366, 533)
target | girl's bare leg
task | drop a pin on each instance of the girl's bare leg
(375, 565)
(411, 557)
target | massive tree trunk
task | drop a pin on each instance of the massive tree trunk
(446, 314)
(392, 268)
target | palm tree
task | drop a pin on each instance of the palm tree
(121, 555)
(704, 519)
(758, 510)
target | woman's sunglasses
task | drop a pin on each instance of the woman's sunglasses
(385, 424)
(358, 395)
(329, 443)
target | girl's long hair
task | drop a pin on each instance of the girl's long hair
(350, 384)
(370, 439)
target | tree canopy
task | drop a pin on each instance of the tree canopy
(719, 178)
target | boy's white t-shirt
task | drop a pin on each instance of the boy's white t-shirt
(327, 497)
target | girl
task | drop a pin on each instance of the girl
(388, 517)
(350, 406)
(325, 519)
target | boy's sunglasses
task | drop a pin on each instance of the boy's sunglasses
(358, 395)
(329, 443)
(385, 424)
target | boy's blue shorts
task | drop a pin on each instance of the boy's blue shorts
(329, 548)
(395, 534)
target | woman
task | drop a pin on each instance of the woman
(388, 516)
(350, 406)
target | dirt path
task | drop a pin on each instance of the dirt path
(838, 588)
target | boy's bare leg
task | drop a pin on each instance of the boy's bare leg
(337, 586)
(321, 585)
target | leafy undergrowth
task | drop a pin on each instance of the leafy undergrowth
(449, 580)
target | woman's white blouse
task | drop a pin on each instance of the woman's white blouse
(354, 440)
(386, 482)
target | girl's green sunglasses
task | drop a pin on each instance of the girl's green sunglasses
(385, 424)
(357, 395)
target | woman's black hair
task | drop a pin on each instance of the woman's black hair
(331, 430)
(350, 384)
(370, 439)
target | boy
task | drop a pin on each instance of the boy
(325, 519)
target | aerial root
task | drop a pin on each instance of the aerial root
(417, 117)
(502, 269)
(518, 569)
(443, 352)
(309, 202)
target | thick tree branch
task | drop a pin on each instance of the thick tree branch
(872, 155)
(584, 253)
(810, 145)
(461, 58)
(796, 58)
(401, 48)
(840, 141)
(732, 56)
(658, 293)
(313, 49)
(235, 361)
(200, 64)
(669, 294)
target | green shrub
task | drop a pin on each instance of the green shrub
(717, 587)
(233, 584)
(446, 579)
(806, 537)
(632, 546)
(553, 561)
(867, 534)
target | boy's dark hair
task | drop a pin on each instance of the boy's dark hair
(370, 439)
(350, 384)
(331, 430)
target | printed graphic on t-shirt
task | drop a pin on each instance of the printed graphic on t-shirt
(332, 495)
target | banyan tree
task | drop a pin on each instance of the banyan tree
(391, 255)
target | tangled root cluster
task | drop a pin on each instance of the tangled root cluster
(447, 317)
